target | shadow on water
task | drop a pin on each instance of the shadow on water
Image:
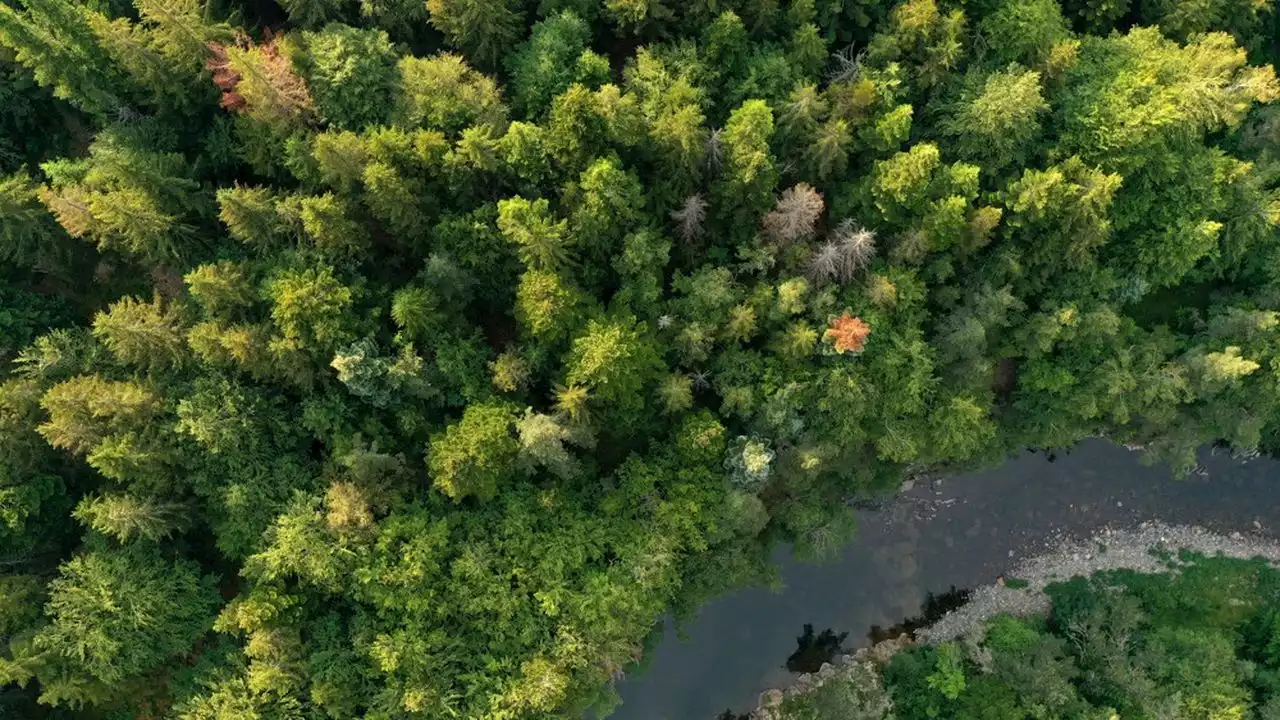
(814, 651)
(935, 606)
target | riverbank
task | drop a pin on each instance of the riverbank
(1151, 547)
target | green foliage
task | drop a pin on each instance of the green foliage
(996, 121)
(141, 334)
(483, 29)
(1024, 31)
(444, 93)
(127, 197)
(351, 73)
(1192, 641)
(553, 58)
(309, 307)
(28, 237)
(112, 617)
(540, 239)
(475, 455)
(125, 517)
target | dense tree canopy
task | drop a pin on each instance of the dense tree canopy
(403, 359)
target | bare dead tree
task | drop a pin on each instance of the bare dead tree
(796, 215)
(848, 64)
(858, 245)
(715, 150)
(690, 216)
(847, 250)
(826, 263)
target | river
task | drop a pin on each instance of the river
(961, 532)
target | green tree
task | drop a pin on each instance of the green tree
(142, 334)
(604, 205)
(1024, 31)
(746, 187)
(56, 41)
(482, 29)
(351, 73)
(251, 216)
(127, 197)
(312, 13)
(28, 235)
(311, 310)
(84, 410)
(222, 288)
(114, 616)
(444, 93)
(995, 121)
(126, 517)
(615, 360)
(540, 240)
(476, 455)
(327, 223)
(555, 56)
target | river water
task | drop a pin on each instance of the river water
(961, 532)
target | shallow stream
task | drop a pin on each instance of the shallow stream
(961, 532)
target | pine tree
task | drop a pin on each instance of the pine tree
(143, 334)
(251, 216)
(351, 74)
(443, 93)
(126, 517)
(85, 409)
(127, 197)
(482, 29)
(56, 41)
(540, 240)
(115, 615)
(28, 235)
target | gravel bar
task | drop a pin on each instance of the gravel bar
(1109, 549)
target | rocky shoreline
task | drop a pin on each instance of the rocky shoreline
(1022, 593)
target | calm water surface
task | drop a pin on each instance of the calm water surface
(963, 532)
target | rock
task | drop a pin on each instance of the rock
(1236, 536)
(907, 485)
(770, 698)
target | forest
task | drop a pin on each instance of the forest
(1199, 641)
(400, 359)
